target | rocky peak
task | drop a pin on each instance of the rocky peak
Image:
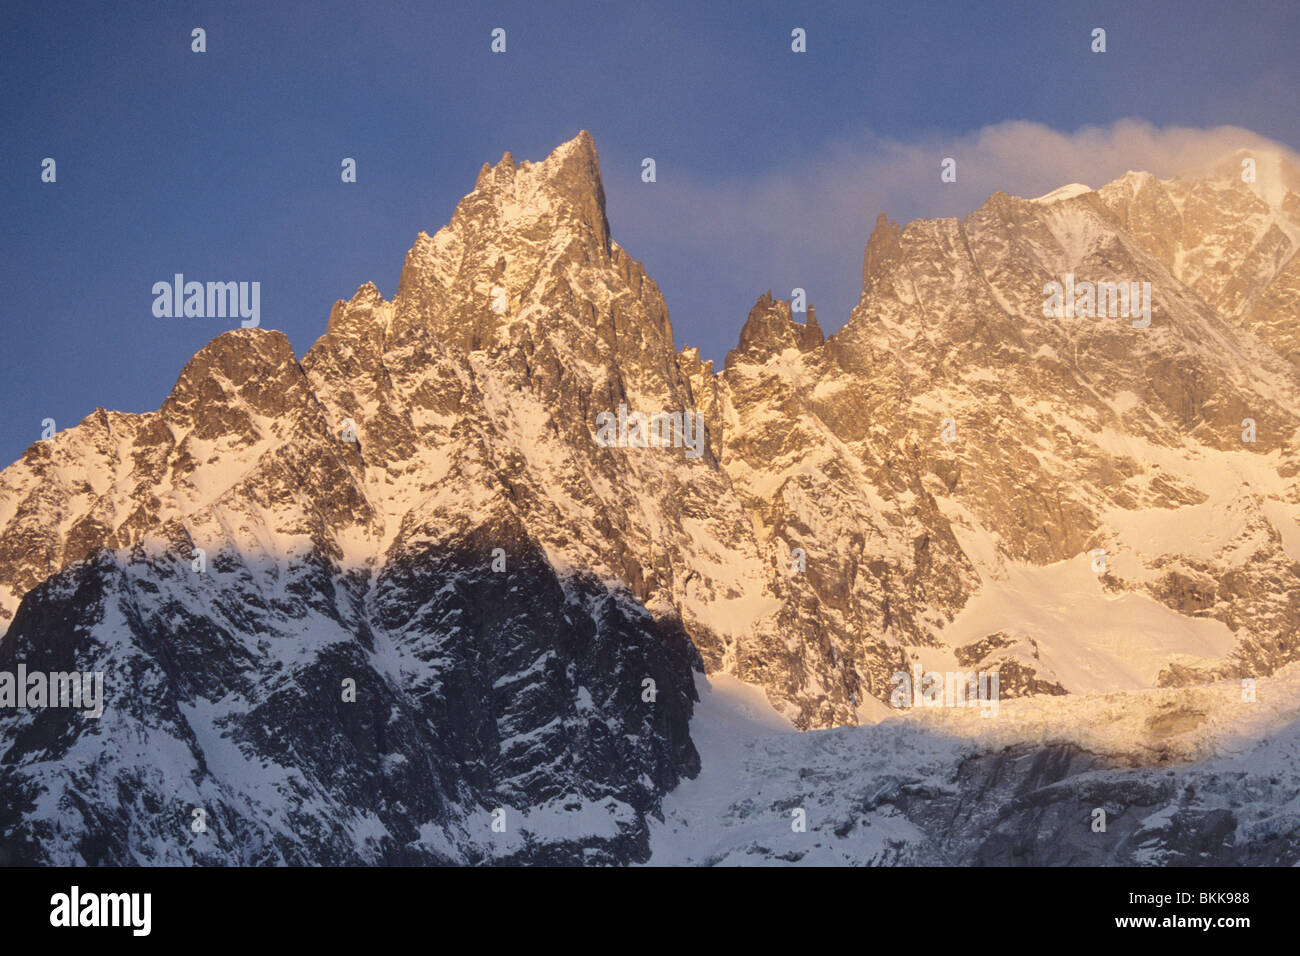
(511, 247)
(771, 329)
(367, 294)
(248, 372)
(563, 191)
(884, 247)
(571, 174)
(363, 318)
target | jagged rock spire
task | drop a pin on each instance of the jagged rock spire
(771, 328)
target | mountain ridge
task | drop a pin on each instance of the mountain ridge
(377, 503)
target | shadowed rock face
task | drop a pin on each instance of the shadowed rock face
(474, 690)
(420, 506)
(1155, 785)
(1029, 806)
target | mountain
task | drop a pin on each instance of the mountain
(397, 603)
(484, 679)
(950, 460)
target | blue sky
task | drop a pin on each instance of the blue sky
(771, 165)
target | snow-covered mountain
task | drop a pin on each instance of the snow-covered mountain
(396, 602)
